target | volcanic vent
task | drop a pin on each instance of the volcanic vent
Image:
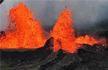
(61, 50)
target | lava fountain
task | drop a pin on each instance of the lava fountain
(28, 32)
(63, 33)
(64, 36)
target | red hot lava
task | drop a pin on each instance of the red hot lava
(63, 33)
(29, 34)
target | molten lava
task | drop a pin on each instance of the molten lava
(63, 33)
(86, 40)
(64, 36)
(28, 32)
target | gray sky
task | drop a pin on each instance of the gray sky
(85, 13)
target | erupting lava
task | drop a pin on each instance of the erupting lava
(63, 33)
(29, 34)
(64, 36)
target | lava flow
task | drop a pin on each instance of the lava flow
(29, 34)
(86, 40)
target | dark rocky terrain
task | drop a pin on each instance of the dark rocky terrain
(89, 58)
(45, 59)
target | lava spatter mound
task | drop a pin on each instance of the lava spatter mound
(45, 59)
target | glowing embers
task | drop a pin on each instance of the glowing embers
(28, 32)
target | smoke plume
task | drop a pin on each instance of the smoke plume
(85, 13)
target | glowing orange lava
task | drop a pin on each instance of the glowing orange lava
(86, 40)
(63, 33)
(28, 32)
(64, 36)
